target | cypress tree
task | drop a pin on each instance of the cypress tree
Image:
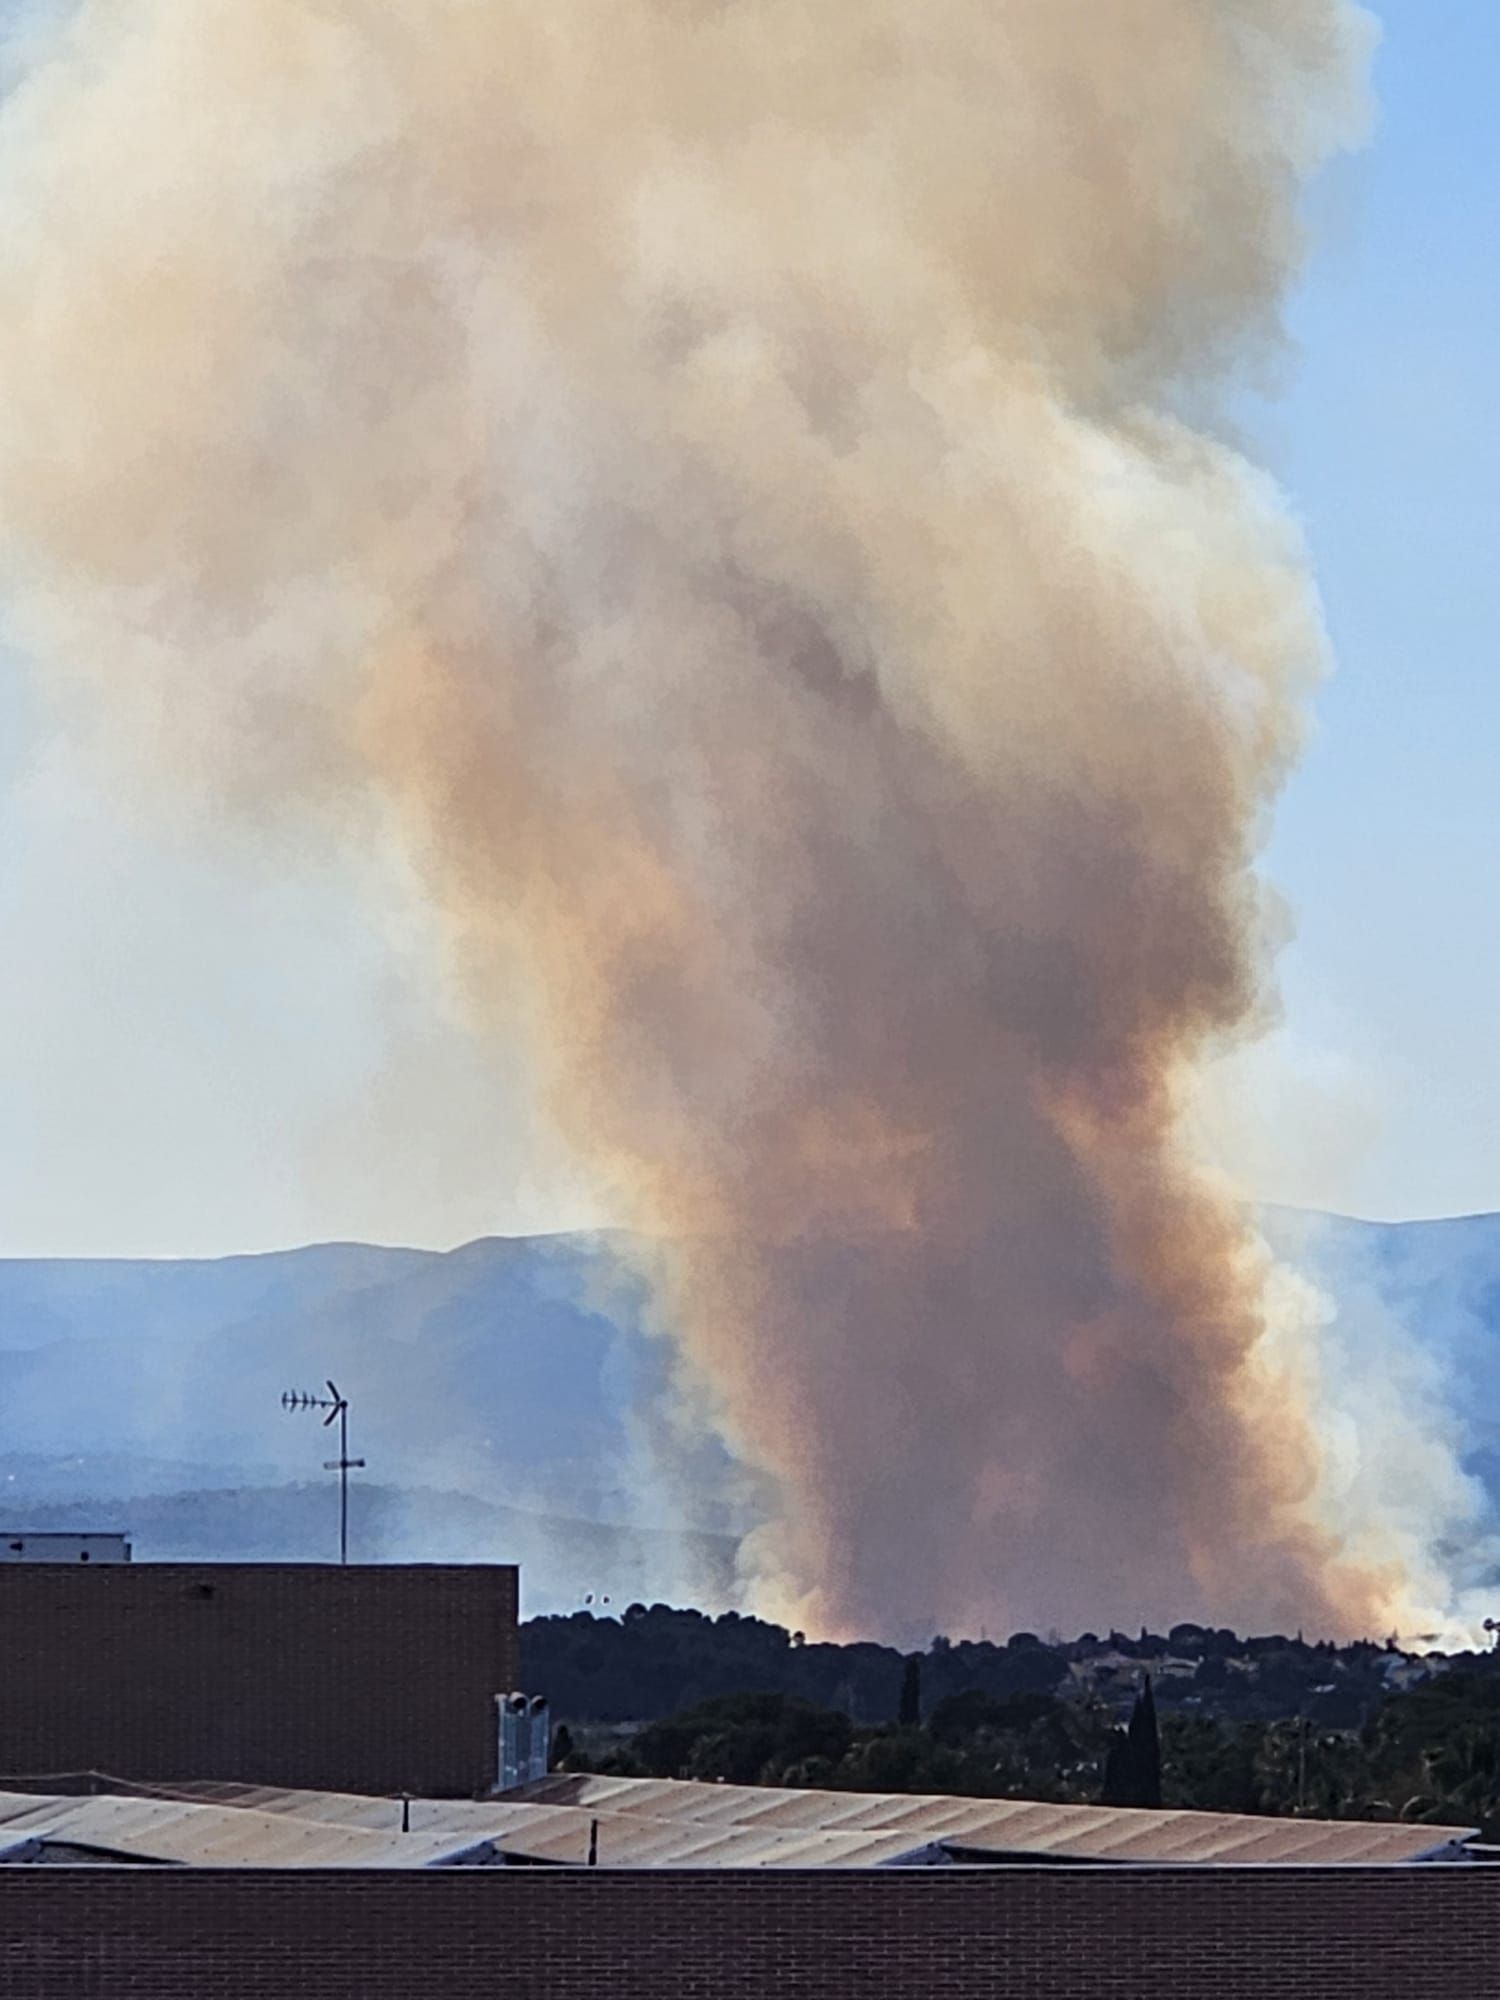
(1132, 1769)
(1146, 1747)
(909, 1713)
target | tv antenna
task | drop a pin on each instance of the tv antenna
(337, 1407)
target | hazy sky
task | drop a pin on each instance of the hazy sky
(1388, 840)
(206, 1049)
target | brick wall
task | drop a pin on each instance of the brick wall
(938, 1934)
(360, 1679)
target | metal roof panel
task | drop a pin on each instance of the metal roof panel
(672, 1823)
(1005, 1826)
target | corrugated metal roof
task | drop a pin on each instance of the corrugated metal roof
(562, 1833)
(1005, 1826)
(664, 1823)
(375, 1814)
(216, 1836)
(541, 1832)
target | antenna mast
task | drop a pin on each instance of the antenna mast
(337, 1407)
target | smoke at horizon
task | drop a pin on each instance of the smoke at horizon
(741, 496)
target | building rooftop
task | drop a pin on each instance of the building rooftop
(669, 1823)
(1004, 1828)
(34, 1827)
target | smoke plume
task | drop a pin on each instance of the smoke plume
(742, 488)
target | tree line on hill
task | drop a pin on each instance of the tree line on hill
(666, 1693)
(654, 1660)
(1430, 1755)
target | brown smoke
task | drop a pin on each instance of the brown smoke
(738, 479)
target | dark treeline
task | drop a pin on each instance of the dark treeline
(1260, 1725)
(1431, 1755)
(654, 1661)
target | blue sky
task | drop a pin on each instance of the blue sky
(204, 1055)
(1388, 840)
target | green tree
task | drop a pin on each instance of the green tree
(1132, 1771)
(1209, 1765)
(745, 1739)
(891, 1760)
(909, 1710)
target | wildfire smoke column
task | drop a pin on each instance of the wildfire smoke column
(740, 487)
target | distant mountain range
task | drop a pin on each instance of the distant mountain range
(504, 1393)
(561, 1560)
(1439, 1282)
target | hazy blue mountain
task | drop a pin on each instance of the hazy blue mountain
(506, 1389)
(501, 1393)
(507, 1366)
(1438, 1280)
(1437, 1283)
(44, 1299)
(561, 1560)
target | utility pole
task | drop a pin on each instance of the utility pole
(337, 1407)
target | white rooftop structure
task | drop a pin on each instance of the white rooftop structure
(669, 1823)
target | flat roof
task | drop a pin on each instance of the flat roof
(999, 1827)
(203, 1835)
(656, 1823)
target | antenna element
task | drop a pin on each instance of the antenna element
(337, 1407)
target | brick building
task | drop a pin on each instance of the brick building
(376, 1679)
(963, 1934)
